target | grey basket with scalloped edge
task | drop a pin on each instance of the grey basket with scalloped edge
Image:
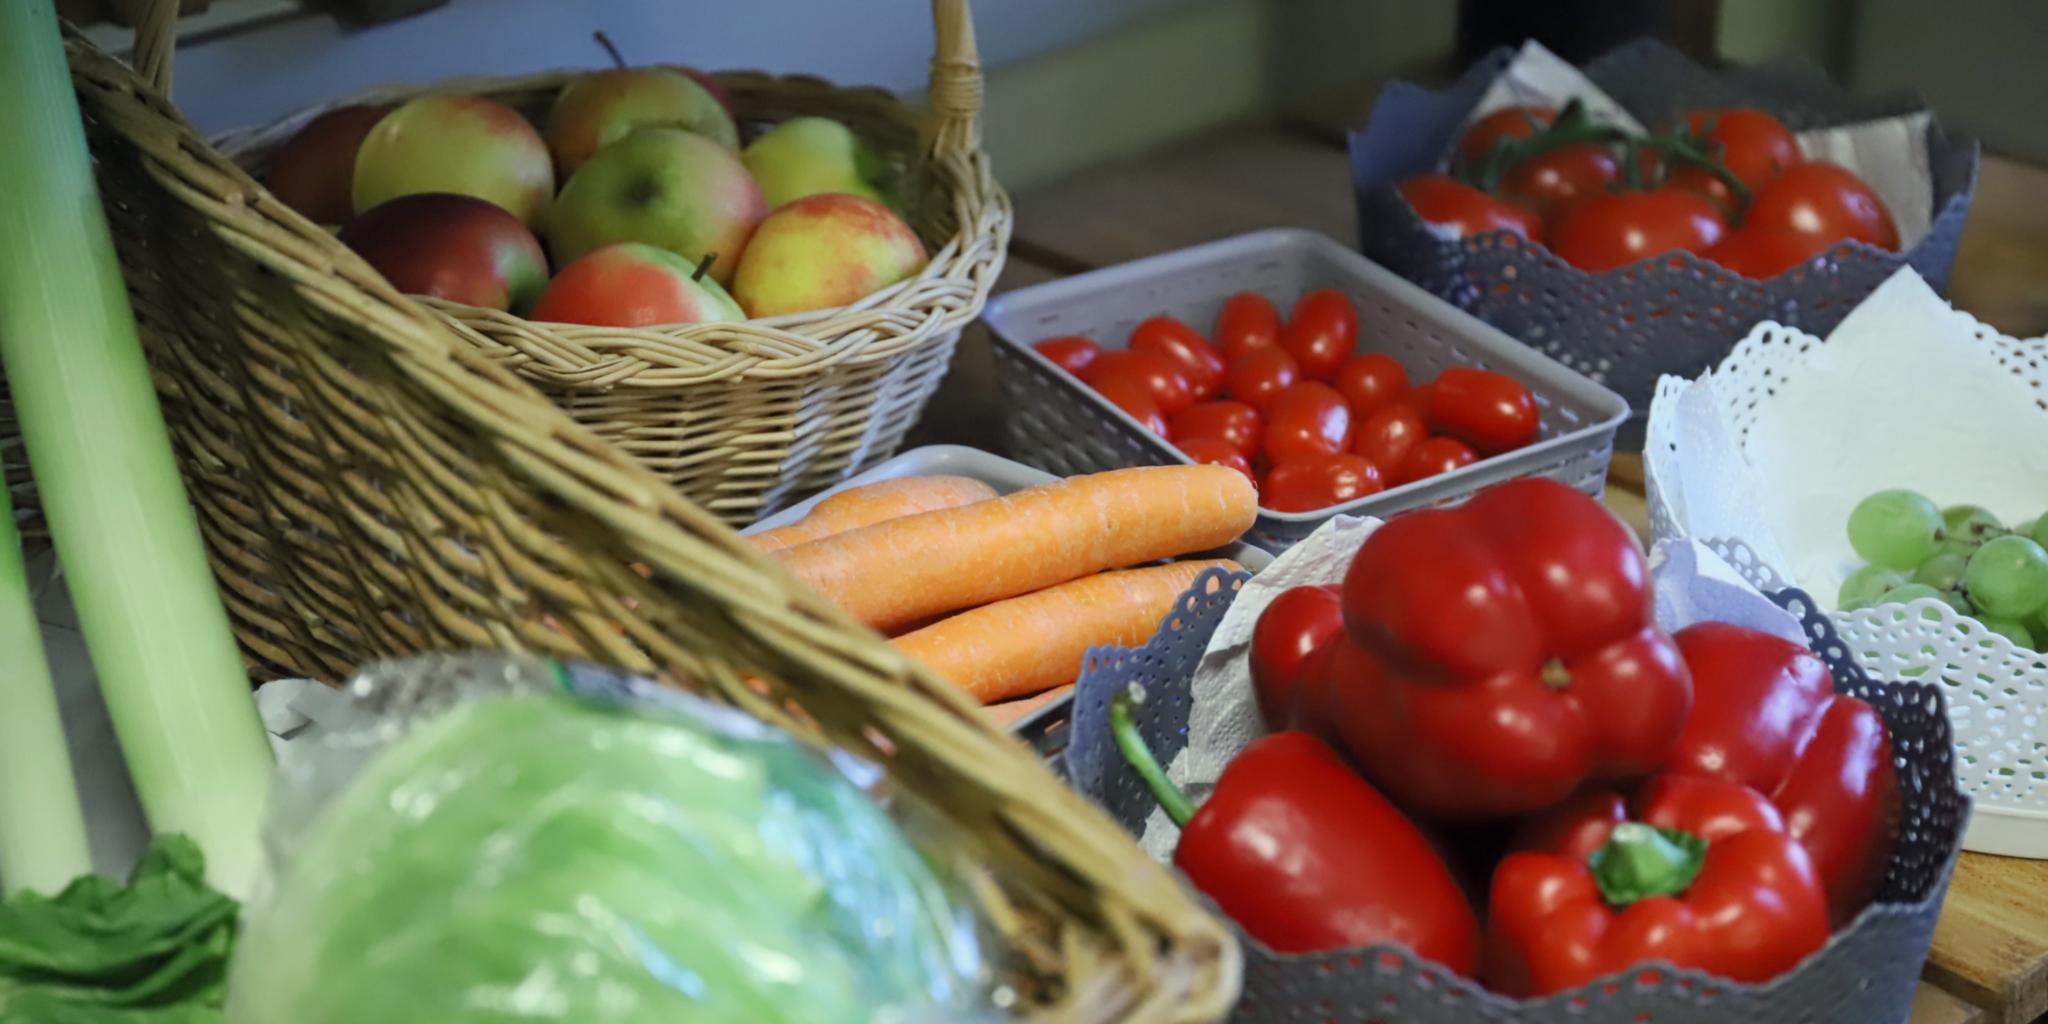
(1677, 314)
(1866, 973)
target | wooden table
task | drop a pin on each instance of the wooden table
(1989, 962)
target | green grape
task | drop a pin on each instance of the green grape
(1970, 525)
(1863, 587)
(1913, 592)
(2008, 577)
(1897, 529)
(2038, 531)
(1955, 599)
(1942, 572)
(2011, 629)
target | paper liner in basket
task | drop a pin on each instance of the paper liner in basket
(1773, 448)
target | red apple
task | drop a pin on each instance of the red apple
(315, 169)
(465, 144)
(824, 251)
(666, 187)
(711, 85)
(630, 284)
(603, 107)
(453, 247)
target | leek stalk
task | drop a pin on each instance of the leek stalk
(174, 685)
(42, 831)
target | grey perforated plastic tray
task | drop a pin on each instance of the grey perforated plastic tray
(1864, 975)
(1005, 476)
(1676, 314)
(1058, 423)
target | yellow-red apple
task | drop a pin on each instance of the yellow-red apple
(666, 187)
(467, 145)
(804, 156)
(314, 170)
(824, 251)
(628, 284)
(603, 107)
(453, 247)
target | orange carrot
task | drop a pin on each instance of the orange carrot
(872, 503)
(1010, 712)
(901, 570)
(1026, 644)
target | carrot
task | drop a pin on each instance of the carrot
(901, 570)
(1027, 644)
(872, 503)
(1010, 712)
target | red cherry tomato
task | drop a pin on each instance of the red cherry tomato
(1433, 456)
(1753, 145)
(1620, 228)
(1490, 411)
(1159, 375)
(1826, 201)
(1417, 398)
(1234, 423)
(1309, 418)
(1387, 436)
(1370, 381)
(1212, 451)
(1465, 210)
(1505, 123)
(1186, 349)
(1134, 396)
(1553, 182)
(1766, 252)
(1258, 377)
(1320, 481)
(1071, 353)
(1246, 321)
(1321, 332)
(1694, 178)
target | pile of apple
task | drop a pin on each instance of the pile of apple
(659, 213)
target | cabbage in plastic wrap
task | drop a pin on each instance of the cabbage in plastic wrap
(537, 856)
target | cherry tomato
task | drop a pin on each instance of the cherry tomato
(1553, 182)
(1388, 435)
(1186, 349)
(1370, 381)
(1753, 145)
(1826, 201)
(1234, 423)
(1258, 377)
(1246, 321)
(1320, 481)
(1433, 456)
(1071, 353)
(1490, 411)
(1132, 395)
(1766, 252)
(1309, 418)
(1321, 332)
(1505, 123)
(1216, 452)
(1620, 228)
(1417, 398)
(1156, 372)
(1448, 203)
(1694, 178)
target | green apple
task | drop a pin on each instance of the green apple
(822, 252)
(804, 156)
(466, 145)
(629, 284)
(666, 187)
(603, 107)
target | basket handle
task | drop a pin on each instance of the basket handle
(156, 39)
(953, 120)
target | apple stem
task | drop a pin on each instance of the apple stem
(704, 266)
(610, 47)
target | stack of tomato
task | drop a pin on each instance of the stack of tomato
(1730, 185)
(1703, 798)
(1290, 405)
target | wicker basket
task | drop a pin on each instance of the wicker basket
(746, 417)
(370, 483)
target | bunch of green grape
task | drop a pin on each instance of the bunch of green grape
(1961, 555)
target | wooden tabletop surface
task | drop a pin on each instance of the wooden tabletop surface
(1989, 962)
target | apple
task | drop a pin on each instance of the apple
(804, 156)
(605, 106)
(452, 247)
(711, 85)
(467, 145)
(314, 170)
(666, 187)
(824, 251)
(631, 284)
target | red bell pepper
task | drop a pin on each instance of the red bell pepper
(1510, 654)
(1702, 875)
(1307, 856)
(1288, 644)
(1766, 715)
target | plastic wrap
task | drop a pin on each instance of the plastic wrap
(482, 838)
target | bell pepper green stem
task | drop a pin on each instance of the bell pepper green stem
(1639, 861)
(1174, 802)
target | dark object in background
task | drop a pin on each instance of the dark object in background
(371, 12)
(1580, 30)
